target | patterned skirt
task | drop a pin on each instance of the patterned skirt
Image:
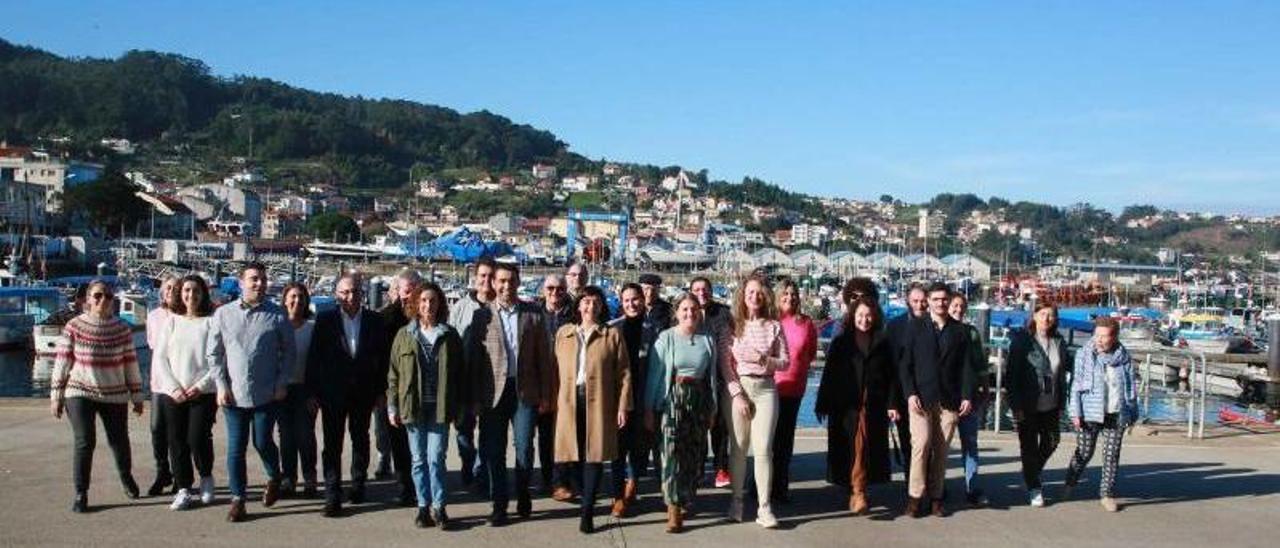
(684, 446)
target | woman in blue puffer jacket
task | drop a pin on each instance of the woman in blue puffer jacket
(1103, 401)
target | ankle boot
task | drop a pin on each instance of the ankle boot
(673, 518)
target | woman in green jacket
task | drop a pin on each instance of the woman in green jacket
(425, 393)
(1038, 366)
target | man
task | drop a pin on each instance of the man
(557, 310)
(346, 379)
(251, 353)
(969, 425)
(469, 314)
(718, 321)
(633, 448)
(938, 380)
(393, 441)
(657, 309)
(158, 322)
(512, 374)
(896, 330)
(576, 278)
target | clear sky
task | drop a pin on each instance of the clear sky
(1171, 103)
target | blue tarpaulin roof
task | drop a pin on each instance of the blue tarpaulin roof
(463, 245)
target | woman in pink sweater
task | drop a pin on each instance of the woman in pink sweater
(802, 347)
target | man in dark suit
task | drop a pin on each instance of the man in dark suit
(938, 379)
(917, 307)
(509, 359)
(347, 377)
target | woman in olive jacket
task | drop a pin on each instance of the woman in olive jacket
(853, 396)
(1038, 365)
(426, 392)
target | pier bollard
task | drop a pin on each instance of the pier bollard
(1273, 361)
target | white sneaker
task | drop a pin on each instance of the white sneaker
(182, 500)
(764, 516)
(206, 490)
(735, 510)
(1037, 498)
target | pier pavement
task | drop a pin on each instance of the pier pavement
(1220, 492)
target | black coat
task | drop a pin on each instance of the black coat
(1026, 358)
(848, 374)
(333, 375)
(896, 337)
(937, 365)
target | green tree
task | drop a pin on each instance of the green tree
(333, 226)
(107, 204)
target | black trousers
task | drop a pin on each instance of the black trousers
(784, 444)
(189, 429)
(115, 420)
(551, 476)
(297, 436)
(401, 458)
(337, 420)
(589, 474)
(1038, 436)
(720, 440)
(159, 439)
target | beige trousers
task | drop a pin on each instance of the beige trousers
(931, 433)
(754, 434)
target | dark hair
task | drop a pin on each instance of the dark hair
(206, 303)
(509, 267)
(697, 279)
(938, 286)
(415, 296)
(633, 287)
(306, 297)
(877, 315)
(1107, 322)
(82, 293)
(111, 291)
(917, 287)
(488, 261)
(253, 265)
(591, 291)
(859, 286)
(1031, 320)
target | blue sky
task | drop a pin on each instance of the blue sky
(1171, 103)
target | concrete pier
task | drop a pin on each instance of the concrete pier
(1222, 491)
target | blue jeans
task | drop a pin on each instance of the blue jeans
(968, 427)
(263, 419)
(428, 442)
(522, 417)
(472, 466)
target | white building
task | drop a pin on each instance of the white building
(55, 175)
(814, 235)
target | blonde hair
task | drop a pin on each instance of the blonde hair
(768, 311)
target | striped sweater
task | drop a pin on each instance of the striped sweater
(96, 360)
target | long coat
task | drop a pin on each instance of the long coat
(849, 373)
(608, 389)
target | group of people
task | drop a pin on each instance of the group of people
(663, 383)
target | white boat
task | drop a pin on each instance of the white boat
(21, 308)
(687, 255)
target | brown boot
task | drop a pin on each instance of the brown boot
(629, 491)
(619, 508)
(858, 503)
(913, 507)
(675, 519)
(272, 494)
(236, 513)
(938, 510)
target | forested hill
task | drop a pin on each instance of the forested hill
(147, 96)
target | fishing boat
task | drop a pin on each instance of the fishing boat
(21, 308)
(1205, 331)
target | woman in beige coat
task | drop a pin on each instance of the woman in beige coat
(594, 396)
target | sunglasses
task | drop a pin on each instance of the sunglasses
(97, 296)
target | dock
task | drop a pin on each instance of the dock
(1223, 490)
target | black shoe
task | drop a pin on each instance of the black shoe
(442, 519)
(355, 495)
(310, 492)
(333, 509)
(158, 487)
(498, 518)
(586, 525)
(288, 488)
(524, 507)
(130, 487)
(423, 519)
(976, 497)
(407, 497)
(383, 472)
(468, 476)
(81, 503)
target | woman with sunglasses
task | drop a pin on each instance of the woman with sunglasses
(96, 374)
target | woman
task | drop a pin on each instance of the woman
(187, 392)
(971, 423)
(594, 396)
(852, 395)
(425, 393)
(158, 323)
(1103, 401)
(757, 351)
(1038, 366)
(802, 345)
(297, 419)
(96, 374)
(681, 389)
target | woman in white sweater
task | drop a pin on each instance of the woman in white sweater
(187, 392)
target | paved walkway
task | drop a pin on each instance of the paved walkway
(1220, 492)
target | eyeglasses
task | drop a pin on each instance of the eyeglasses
(553, 288)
